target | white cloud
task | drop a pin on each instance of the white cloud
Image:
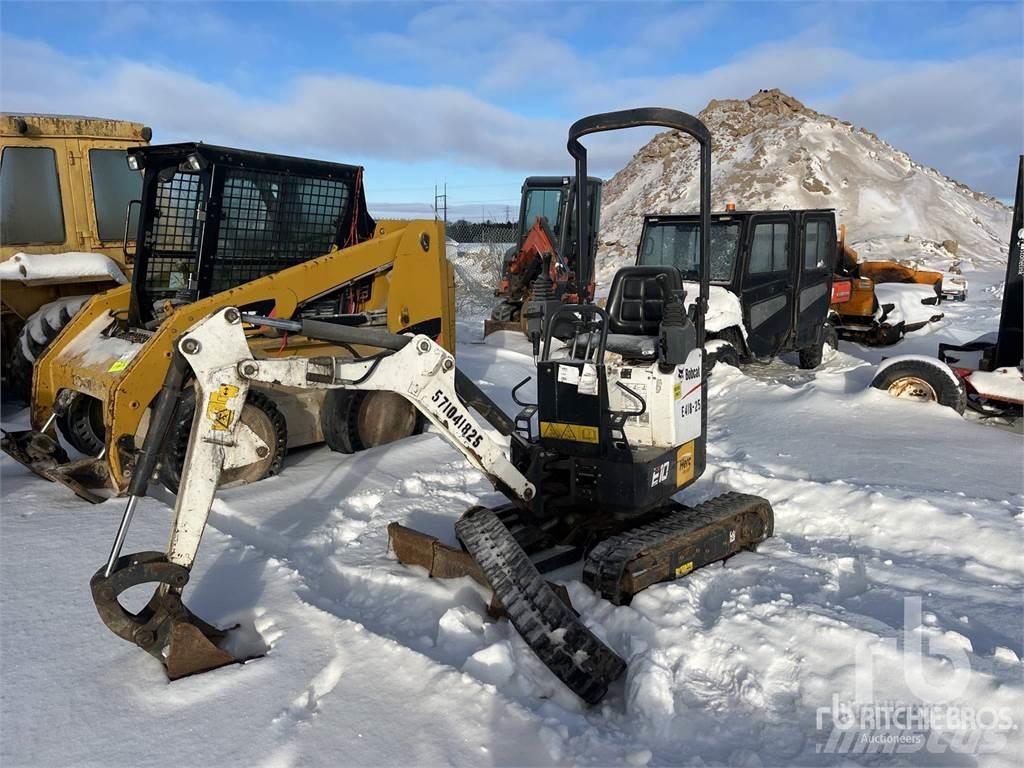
(963, 115)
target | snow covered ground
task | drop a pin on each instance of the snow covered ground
(879, 504)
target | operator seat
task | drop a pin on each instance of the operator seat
(635, 306)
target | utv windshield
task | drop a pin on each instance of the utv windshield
(678, 245)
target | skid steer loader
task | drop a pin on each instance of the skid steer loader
(621, 428)
(218, 227)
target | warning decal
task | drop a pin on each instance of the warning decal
(578, 433)
(217, 411)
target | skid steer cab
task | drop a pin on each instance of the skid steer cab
(618, 428)
(287, 237)
(770, 279)
(545, 239)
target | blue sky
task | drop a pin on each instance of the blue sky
(480, 95)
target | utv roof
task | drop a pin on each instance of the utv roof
(671, 217)
(173, 154)
(35, 125)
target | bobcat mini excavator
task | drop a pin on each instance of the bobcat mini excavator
(622, 425)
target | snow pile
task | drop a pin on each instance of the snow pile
(907, 300)
(895, 573)
(770, 151)
(55, 266)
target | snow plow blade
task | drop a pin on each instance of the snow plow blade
(164, 628)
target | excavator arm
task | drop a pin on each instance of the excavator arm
(416, 367)
(216, 353)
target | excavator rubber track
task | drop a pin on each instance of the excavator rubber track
(672, 546)
(551, 629)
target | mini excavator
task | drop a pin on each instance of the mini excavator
(621, 428)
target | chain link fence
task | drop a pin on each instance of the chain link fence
(476, 252)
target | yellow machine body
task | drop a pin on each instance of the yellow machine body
(860, 309)
(403, 268)
(71, 140)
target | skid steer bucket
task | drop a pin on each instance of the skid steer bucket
(164, 628)
(44, 456)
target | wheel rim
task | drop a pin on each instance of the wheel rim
(261, 424)
(913, 388)
(383, 418)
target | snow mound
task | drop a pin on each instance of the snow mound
(771, 151)
(54, 266)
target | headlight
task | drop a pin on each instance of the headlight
(134, 162)
(195, 163)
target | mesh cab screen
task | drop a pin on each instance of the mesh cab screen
(174, 247)
(270, 221)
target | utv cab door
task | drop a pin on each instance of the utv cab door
(768, 282)
(817, 257)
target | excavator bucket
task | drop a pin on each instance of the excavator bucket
(164, 628)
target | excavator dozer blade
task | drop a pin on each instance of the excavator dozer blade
(441, 561)
(164, 628)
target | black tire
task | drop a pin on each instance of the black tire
(344, 430)
(82, 425)
(887, 335)
(173, 459)
(733, 354)
(725, 354)
(811, 357)
(27, 348)
(922, 380)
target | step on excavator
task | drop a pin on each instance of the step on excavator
(621, 428)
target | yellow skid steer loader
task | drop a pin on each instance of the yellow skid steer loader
(287, 237)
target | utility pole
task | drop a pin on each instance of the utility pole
(443, 199)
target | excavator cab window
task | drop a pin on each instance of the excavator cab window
(546, 203)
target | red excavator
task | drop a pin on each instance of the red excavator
(546, 234)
